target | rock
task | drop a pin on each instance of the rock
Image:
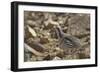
(65, 29)
(45, 33)
(27, 57)
(82, 56)
(44, 40)
(48, 57)
(68, 57)
(31, 22)
(33, 14)
(39, 58)
(27, 15)
(60, 55)
(37, 29)
(42, 30)
(85, 53)
(26, 50)
(27, 35)
(57, 48)
(33, 58)
(56, 58)
(77, 24)
(49, 26)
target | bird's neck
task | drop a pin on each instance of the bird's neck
(59, 32)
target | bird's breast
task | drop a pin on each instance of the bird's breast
(69, 42)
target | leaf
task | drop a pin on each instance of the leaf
(32, 31)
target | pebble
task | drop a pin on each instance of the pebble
(30, 22)
(44, 40)
(56, 58)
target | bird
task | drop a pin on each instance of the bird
(66, 41)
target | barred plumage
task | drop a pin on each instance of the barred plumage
(66, 41)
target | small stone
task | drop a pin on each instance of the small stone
(49, 26)
(65, 29)
(33, 14)
(48, 34)
(57, 48)
(44, 40)
(27, 57)
(45, 33)
(26, 50)
(33, 58)
(60, 55)
(31, 22)
(68, 57)
(47, 58)
(39, 58)
(56, 58)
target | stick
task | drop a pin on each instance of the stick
(32, 50)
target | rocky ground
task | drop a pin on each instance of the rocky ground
(41, 41)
